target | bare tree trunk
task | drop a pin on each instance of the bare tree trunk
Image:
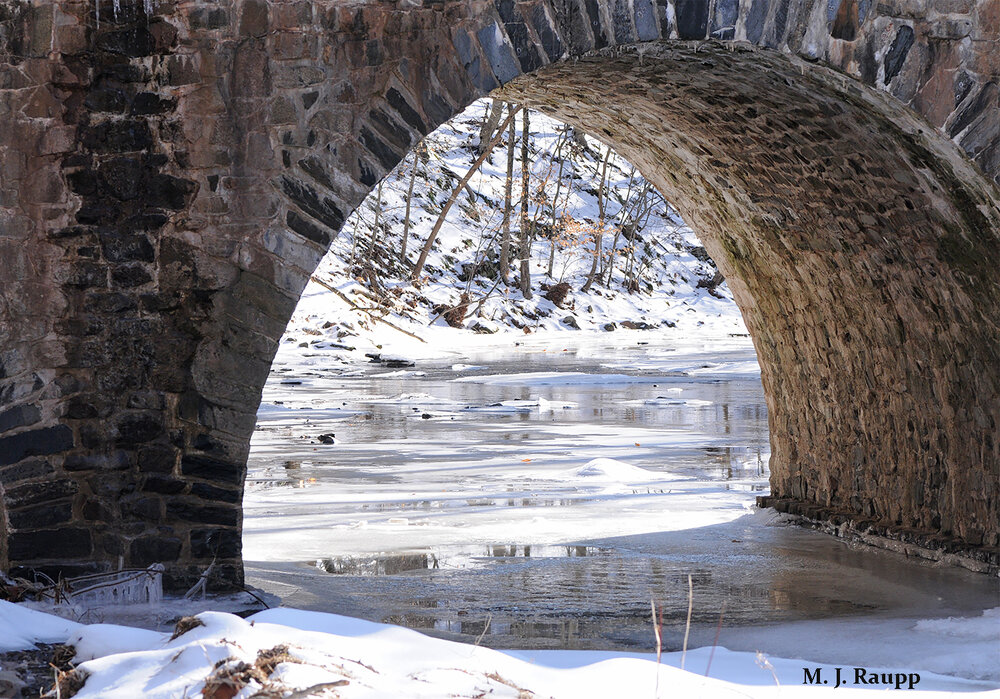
(555, 202)
(409, 198)
(505, 238)
(425, 251)
(489, 126)
(376, 226)
(525, 251)
(618, 229)
(598, 238)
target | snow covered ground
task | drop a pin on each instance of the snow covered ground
(287, 652)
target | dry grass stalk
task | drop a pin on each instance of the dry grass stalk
(687, 626)
(186, 624)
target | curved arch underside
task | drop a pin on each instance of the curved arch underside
(168, 183)
(856, 241)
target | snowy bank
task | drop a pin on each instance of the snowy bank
(288, 652)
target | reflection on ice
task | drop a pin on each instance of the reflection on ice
(450, 558)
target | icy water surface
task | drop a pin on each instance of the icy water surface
(461, 497)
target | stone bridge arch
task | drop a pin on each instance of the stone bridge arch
(170, 180)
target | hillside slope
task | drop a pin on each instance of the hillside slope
(652, 273)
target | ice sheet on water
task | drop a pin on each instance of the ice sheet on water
(556, 378)
(985, 627)
(612, 470)
(523, 405)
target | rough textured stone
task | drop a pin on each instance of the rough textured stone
(168, 182)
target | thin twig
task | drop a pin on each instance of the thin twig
(370, 315)
(715, 641)
(489, 618)
(659, 645)
(687, 627)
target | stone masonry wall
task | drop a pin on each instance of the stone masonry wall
(168, 181)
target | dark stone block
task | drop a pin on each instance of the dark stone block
(114, 461)
(385, 155)
(484, 80)
(133, 42)
(780, 22)
(107, 99)
(986, 99)
(126, 73)
(95, 511)
(317, 171)
(323, 210)
(146, 222)
(843, 15)
(80, 409)
(392, 131)
(692, 18)
(373, 52)
(164, 35)
(214, 494)
(498, 52)
(143, 509)
(154, 549)
(126, 247)
(208, 18)
(724, 21)
(47, 515)
(594, 13)
(254, 21)
(212, 469)
(216, 543)
(621, 16)
(88, 275)
(551, 43)
(896, 56)
(19, 416)
(168, 192)
(403, 108)
(49, 440)
(517, 32)
(203, 514)
(70, 232)
(36, 468)
(366, 175)
(963, 85)
(122, 178)
(82, 182)
(99, 212)
(34, 493)
(110, 304)
(309, 99)
(163, 485)
(435, 108)
(645, 20)
(157, 459)
(50, 544)
(139, 428)
(118, 136)
(130, 276)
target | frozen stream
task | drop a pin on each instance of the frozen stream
(461, 498)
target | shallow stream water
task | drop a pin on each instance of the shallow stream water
(456, 498)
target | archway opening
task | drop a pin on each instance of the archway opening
(798, 188)
(518, 429)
